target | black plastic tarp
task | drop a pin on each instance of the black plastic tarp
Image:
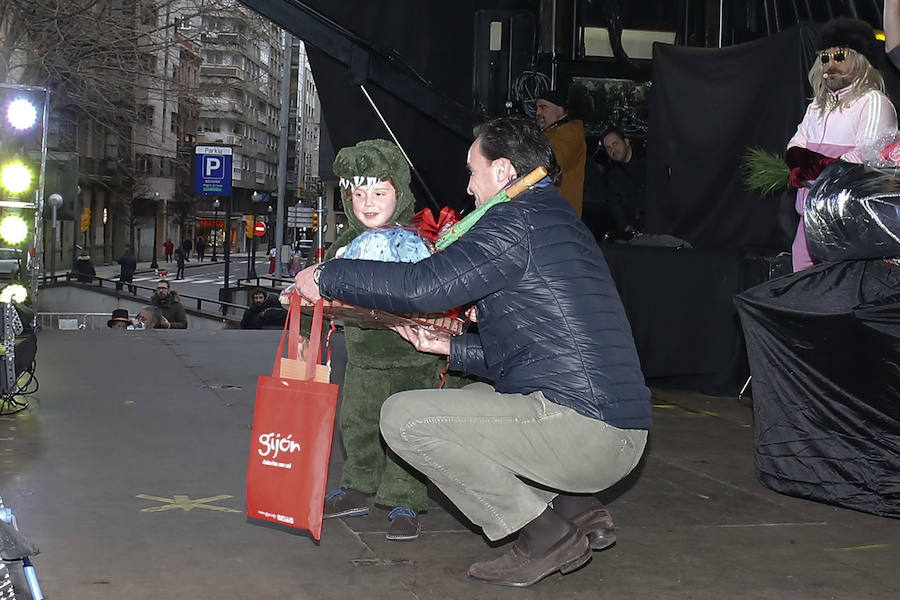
(824, 349)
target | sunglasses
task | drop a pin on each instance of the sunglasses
(837, 56)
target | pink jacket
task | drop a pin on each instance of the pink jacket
(850, 126)
(838, 133)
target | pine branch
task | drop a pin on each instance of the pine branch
(765, 172)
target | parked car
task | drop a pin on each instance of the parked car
(9, 262)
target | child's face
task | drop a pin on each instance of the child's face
(374, 205)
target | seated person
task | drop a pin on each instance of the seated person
(83, 268)
(150, 317)
(120, 320)
(265, 310)
(169, 304)
(626, 181)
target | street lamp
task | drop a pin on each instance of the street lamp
(153, 263)
(215, 227)
(55, 201)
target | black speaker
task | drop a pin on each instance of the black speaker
(505, 45)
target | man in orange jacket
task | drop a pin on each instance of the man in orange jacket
(567, 138)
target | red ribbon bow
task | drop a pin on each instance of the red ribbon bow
(430, 229)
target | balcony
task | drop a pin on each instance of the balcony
(221, 71)
(215, 137)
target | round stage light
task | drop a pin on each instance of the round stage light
(15, 177)
(13, 229)
(14, 291)
(21, 114)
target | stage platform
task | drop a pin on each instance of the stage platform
(127, 470)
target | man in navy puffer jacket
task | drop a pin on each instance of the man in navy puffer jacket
(567, 414)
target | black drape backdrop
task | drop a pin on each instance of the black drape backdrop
(708, 106)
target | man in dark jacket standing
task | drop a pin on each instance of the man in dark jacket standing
(127, 267)
(567, 414)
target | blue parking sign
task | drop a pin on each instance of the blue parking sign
(212, 170)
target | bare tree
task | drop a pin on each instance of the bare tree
(105, 62)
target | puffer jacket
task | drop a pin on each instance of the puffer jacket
(549, 316)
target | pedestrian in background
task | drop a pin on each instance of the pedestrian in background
(83, 268)
(179, 262)
(127, 267)
(201, 248)
(273, 254)
(168, 249)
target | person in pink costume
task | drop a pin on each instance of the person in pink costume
(849, 107)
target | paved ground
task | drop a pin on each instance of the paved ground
(127, 470)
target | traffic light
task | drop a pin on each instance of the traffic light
(315, 218)
(85, 219)
(250, 225)
(21, 141)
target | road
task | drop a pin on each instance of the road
(205, 279)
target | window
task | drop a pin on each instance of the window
(145, 114)
(142, 163)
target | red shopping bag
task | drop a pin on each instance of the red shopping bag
(292, 425)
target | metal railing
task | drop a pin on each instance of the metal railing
(198, 303)
(70, 320)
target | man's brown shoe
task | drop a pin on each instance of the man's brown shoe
(517, 568)
(597, 525)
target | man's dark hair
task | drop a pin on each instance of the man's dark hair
(613, 129)
(259, 292)
(521, 142)
(165, 281)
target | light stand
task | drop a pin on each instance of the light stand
(55, 201)
(215, 227)
(153, 263)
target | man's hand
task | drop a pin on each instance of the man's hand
(425, 340)
(305, 284)
(164, 323)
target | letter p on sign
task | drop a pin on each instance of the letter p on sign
(211, 165)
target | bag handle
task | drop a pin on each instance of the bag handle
(292, 324)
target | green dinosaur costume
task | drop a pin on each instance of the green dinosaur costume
(379, 362)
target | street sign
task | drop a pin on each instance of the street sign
(300, 216)
(259, 229)
(212, 170)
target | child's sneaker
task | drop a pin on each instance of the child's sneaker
(404, 525)
(345, 502)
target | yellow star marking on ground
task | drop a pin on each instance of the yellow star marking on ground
(185, 503)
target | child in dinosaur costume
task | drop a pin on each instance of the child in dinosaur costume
(375, 188)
